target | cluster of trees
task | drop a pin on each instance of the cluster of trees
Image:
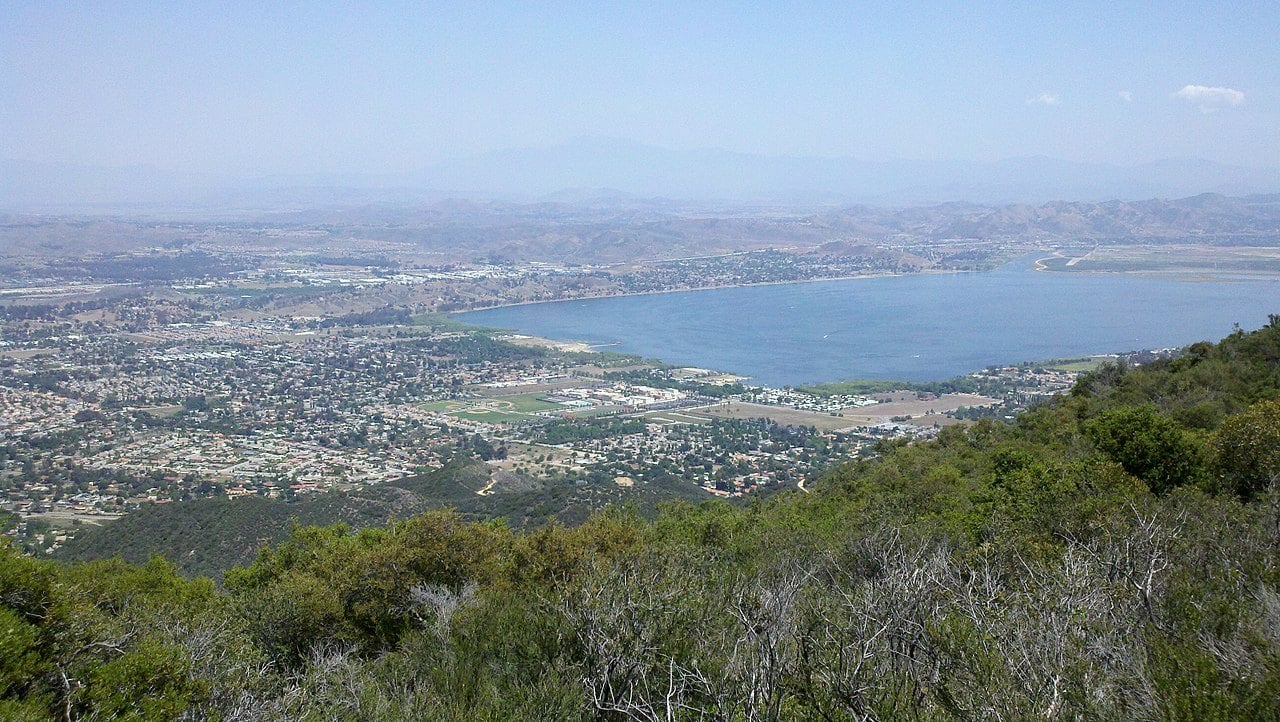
(659, 378)
(475, 348)
(385, 316)
(1114, 554)
(566, 431)
(484, 448)
(50, 311)
(150, 267)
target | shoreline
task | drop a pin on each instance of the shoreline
(1193, 275)
(1033, 263)
(590, 348)
(702, 288)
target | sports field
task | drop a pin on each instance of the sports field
(498, 410)
(523, 403)
(1077, 365)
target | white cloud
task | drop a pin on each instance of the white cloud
(1126, 96)
(1043, 99)
(1209, 99)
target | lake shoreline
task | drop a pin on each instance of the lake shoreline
(1036, 267)
(908, 327)
(453, 314)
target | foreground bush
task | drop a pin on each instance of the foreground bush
(1113, 555)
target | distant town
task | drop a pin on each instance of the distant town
(160, 376)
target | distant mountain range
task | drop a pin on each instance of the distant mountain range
(619, 229)
(612, 170)
(722, 175)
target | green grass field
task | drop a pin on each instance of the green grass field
(1076, 365)
(505, 409)
(445, 322)
(525, 403)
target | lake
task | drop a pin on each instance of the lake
(914, 328)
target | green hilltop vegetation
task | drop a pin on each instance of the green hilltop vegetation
(209, 536)
(1113, 554)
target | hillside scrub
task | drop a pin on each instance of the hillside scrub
(1112, 554)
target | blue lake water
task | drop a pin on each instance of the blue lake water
(916, 328)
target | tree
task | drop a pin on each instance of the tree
(1247, 449)
(1148, 445)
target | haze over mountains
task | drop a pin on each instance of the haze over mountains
(610, 169)
(617, 229)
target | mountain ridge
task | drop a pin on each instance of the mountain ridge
(630, 169)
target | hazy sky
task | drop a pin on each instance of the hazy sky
(253, 88)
